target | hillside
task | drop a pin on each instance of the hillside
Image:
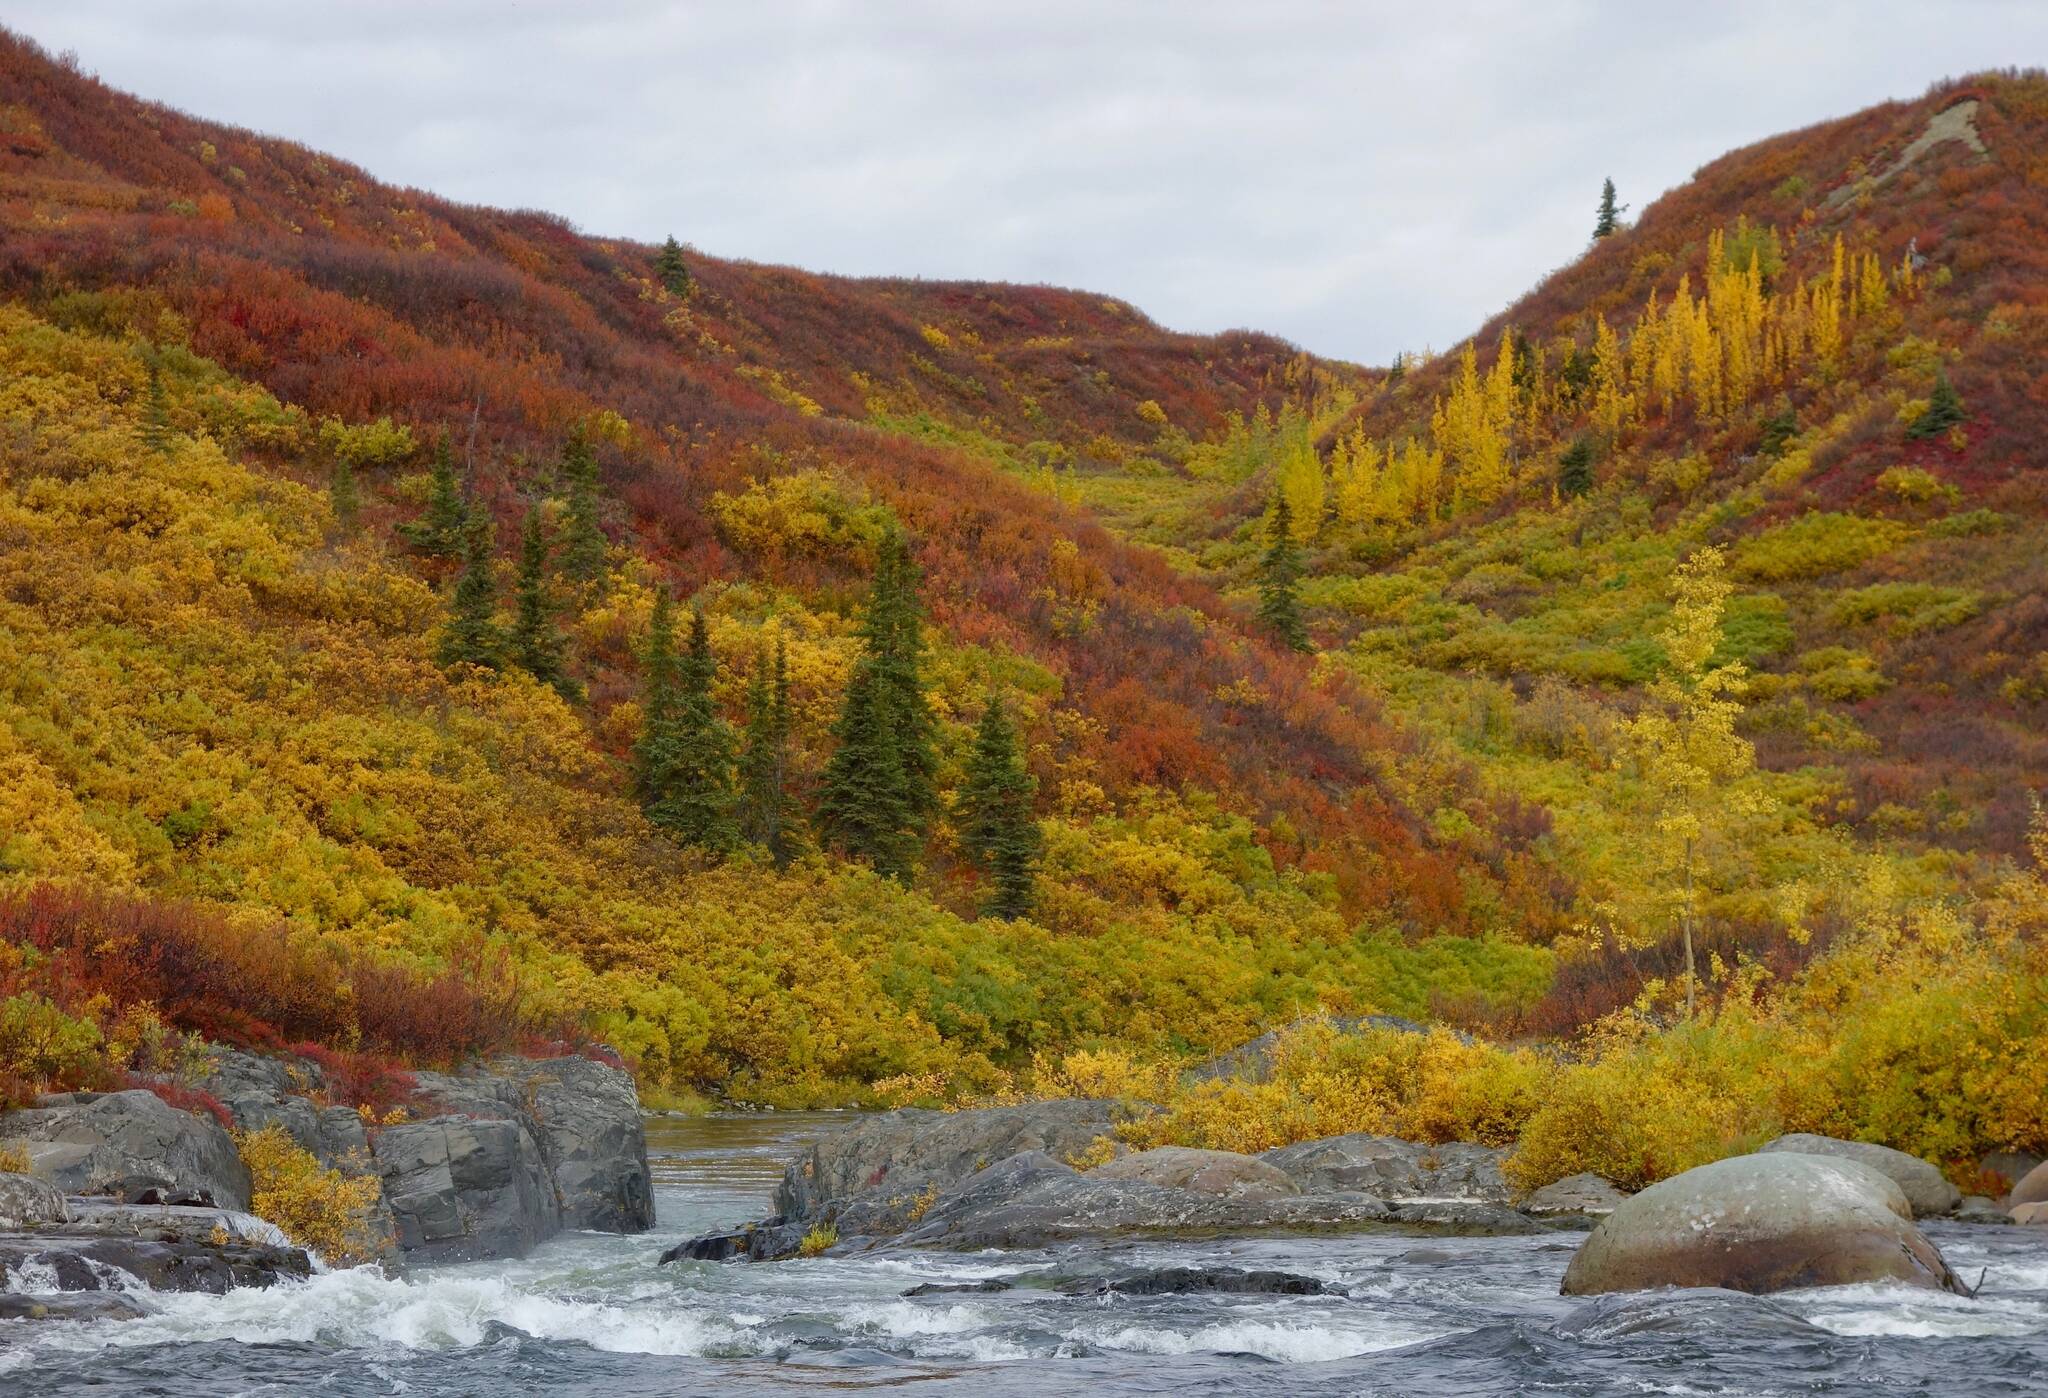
(1788, 419)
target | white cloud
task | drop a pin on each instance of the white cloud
(1361, 178)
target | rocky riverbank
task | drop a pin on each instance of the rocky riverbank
(1053, 1172)
(488, 1164)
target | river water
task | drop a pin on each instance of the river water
(1420, 1317)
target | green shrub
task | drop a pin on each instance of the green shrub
(1814, 545)
(1906, 608)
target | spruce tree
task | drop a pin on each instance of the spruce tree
(764, 759)
(443, 527)
(660, 686)
(670, 267)
(877, 791)
(156, 412)
(997, 829)
(1575, 468)
(538, 645)
(1280, 579)
(1944, 409)
(344, 494)
(1608, 221)
(694, 800)
(583, 540)
(471, 635)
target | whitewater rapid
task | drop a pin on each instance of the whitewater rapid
(592, 1313)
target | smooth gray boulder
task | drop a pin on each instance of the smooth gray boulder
(912, 1154)
(1926, 1189)
(1392, 1169)
(27, 1202)
(1223, 1173)
(462, 1190)
(592, 1136)
(2031, 1189)
(1574, 1194)
(131, 1146)
(1761, 1223)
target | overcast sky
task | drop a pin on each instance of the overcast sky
(1360, 178)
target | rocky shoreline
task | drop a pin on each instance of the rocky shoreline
(1049, 1173)
(124, 1185)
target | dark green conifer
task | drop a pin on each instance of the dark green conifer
(1608, 221)
(694, 799)
(1778, 431)
(670, 267)
(1575, 468)
(1944, 409)
(443, 527)
(156, 412)
(660, 686)
(538, 645)
(877, 791)
(764, 759)
(471, 635)
(997, 829)
(583, 540)
(1280, 579)
(344, 495)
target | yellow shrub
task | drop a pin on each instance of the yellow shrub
(13, 1160)
(818, 1239)
(317, 1207)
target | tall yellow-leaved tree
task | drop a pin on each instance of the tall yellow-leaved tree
(1697, 772)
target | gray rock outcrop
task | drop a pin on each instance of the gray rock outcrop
(462, 1189)
(1761, 1223)
(27, 1202)
(1925, 1188)
(1223, 1173)
(1393, 1169)
(131, 1146)
(591, 1135)
(1574, 1194)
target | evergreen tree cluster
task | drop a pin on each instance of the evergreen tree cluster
(671, 269)
(1280, 579)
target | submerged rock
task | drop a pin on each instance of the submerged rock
(1761, 1223)
(72, 1306)
(1975, 1208)
(765, 1241)
(1389, 1168)
(1223, 1173)
(1466, 1217)
(1925, 1188)
(987, 1287)
(1707, 1312)
(132, 1146)
(1192, 1281)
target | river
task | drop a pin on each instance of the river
(591, 1314)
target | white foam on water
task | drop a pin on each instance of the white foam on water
(1290, 1343)
(905, 1319)
(1905, 1312)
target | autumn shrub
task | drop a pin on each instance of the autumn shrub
(1813, 545)
(318, 1207)
(185, 1098)
(41, 1046)
(14, 1160)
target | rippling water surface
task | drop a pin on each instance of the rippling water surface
(1419, 1317)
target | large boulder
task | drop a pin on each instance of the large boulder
(1219, 1172)
(27, 1202)
(131, 1146)
(1761, 1223)
(588, 1122)
(462, 1190)
(913, 1154)
(172, 1263)
(2032, 1188)
(1925, 1188)
(1392, 1169)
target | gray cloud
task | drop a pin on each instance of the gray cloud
(1361, 178)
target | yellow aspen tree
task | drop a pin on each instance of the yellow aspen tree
(1904, 278)
(1302, 482)
(1612, 403)
(1356, 472)
(1698, 774)
(1873, 296)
